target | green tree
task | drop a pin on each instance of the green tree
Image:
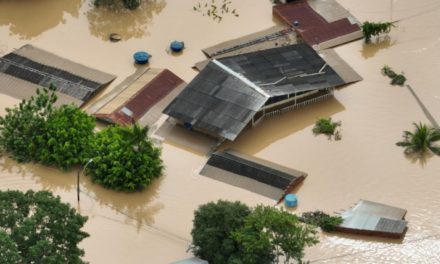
(421, 140)
(22, 124)
(44, 229)
(8, 250)
(124, 158)
(212, 231)
(269, 235)
(327, 127)
(371, 29)
(326, 222)
(130, 4)
(66, 137)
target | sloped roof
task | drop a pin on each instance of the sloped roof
(260, 176)
(140, 97)
(371, 218)
(319, 26)
(285, 70)
(39, 67)
(218, 102)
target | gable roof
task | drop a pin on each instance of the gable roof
(319, 26)
(217, 102)
(285, 70)
(41, 68)
(257, 175)
(141, 96)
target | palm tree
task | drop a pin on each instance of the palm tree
(421, 140)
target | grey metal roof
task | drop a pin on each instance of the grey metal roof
(285, 70)
(217, 102)
(42, 68)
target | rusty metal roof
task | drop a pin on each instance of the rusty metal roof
(313, 28)
(139, 97)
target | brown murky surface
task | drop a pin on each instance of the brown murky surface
(154, 226)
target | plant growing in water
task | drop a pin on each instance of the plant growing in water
(215, 9)
(371, 29)
(326, 222)
(421, 140)
(396, 79)
(327, 127)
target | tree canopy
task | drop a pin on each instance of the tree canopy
(37, 227)
(124, 158)
(421, 140)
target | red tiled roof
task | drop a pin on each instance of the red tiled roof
(312, 27)
(154, 91)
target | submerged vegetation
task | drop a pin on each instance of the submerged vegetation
(421, 140)
(231, 232)
(129, 4)
(36, 227)
(396, 79)
(124, 159)
(327, 127)
(215, 9)
(326, 222)
(371, 29)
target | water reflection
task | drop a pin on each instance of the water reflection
(128, 23)
(370, 49)
(253, 140)
(30, 18)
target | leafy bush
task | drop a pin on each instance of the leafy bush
(327, 127)
(422, 139)
(269, 233)
(231, 232)
(21, 125)
(66, 137)
(213, 226)
(123, 158)
(40, 227)
(129, 4)
(318, 218)
(396, 79)
(371, 29)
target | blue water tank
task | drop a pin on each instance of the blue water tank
(291, 200)
(177, 46)
(141, 57)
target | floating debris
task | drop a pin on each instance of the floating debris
(215, 9)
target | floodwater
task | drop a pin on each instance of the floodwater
(154, 226)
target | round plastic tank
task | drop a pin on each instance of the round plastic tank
(141, 57)
(291, 200)
(177, 46)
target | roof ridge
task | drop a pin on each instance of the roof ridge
(241, 78)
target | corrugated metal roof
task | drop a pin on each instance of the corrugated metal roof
(260, 176)
(313, 28)
(44, 69)
(217, 102)
(139, 97)
(285, 70)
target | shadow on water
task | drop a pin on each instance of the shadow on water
(30, 18)
(138, 208)
(253, 140)
(129, 24)
(370, 49)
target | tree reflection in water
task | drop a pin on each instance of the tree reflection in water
(105, 20)
(28, 19)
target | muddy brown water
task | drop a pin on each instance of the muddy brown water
(155, 224)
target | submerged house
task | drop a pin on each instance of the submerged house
(29, 68)
(320, 23)
(234, 92)
(140, 98)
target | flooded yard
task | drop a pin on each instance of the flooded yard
(154, 226)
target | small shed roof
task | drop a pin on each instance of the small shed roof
(140, 97)
(371, 218)
(34, 65)
(320, 26)
(217, 101)
(257, 175)
(285, 70)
